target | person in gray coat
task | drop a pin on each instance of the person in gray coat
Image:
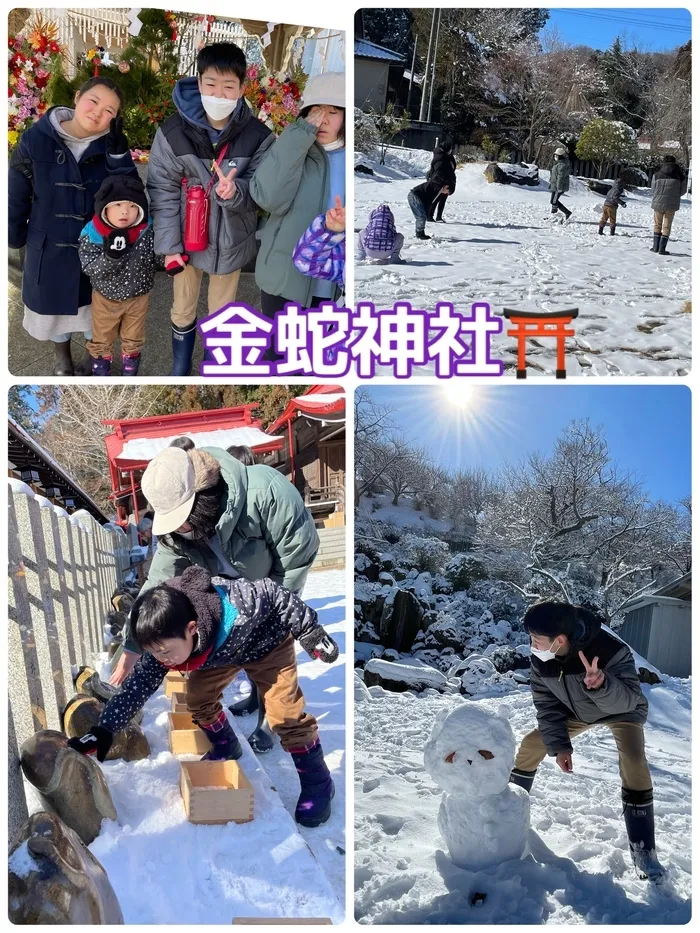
(667, 187)
(559, 181)
(300, 178)
(213, 124)
(582, 676)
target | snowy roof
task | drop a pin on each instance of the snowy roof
(145, 449)
(365, 49)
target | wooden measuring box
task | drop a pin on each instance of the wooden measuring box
(185, 736)
(178, 703)
(174, 683)
(216, 792)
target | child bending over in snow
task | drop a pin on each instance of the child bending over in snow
(422, 200)
(320, 252)
(612, 201)
(210, 629)
(380, 242)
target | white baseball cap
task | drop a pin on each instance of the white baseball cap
(168, 484)
(327, 88)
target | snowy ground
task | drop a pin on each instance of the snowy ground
(211, 874)
(578, 869)
(403, 515)
(500, 245)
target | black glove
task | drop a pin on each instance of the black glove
(116, 142)
(116, 244)
(98, 741)
(318, 644)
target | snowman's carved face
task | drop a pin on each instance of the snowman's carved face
(470, 751)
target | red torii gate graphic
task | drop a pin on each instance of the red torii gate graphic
(541, 324)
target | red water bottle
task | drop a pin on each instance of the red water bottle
(196, 233)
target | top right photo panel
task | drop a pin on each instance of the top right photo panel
(531, 168)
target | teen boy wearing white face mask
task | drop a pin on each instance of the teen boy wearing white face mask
(581, 677)
(212, 118)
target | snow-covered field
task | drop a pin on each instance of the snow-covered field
(165, 870)
(501, 245)
(578, 868)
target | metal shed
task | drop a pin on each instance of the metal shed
(657, 626)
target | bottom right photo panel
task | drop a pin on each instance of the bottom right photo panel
(522, 654)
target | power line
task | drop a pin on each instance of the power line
(627, 22)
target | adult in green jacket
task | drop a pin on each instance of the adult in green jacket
(298, 179)
(211, 510)
(559, 181)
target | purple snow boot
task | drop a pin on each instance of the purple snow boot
(317, 788)
(101, 366)
(130, 364)
(225, 744)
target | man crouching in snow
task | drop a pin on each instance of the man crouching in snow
(209, 629)
(582, 676)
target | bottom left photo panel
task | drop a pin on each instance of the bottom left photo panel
(176, 657)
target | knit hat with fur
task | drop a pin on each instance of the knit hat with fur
(121, 188)
(195, 583)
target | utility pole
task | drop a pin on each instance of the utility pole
(432, 79)
(428, 62)
(413, 72)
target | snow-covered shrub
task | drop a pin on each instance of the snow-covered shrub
(462, 570)
(470, 154)
(366, 136)
(426, 554)
(365, 547)
(631, 175)
(606, 141)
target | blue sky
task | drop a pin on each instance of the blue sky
(647, 427)
(655, 29)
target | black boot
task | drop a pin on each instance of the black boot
(317, 789)
(522, 778)
(63, 365)
(612, 231)
(655, 247)
(224, 741)
(600, 230)
(638, 810)
(263, 738)
(247, 705)
(422, 235)
(663, 240)
(183, 348)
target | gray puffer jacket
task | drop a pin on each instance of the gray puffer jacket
(253, 619)
(185, 146)
(667, 187)
(559, 693)
(292, 183)
(559, 175)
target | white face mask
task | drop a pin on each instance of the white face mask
(218, 108)
(546, 655)
(186, 534)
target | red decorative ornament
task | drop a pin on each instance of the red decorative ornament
(124, 67)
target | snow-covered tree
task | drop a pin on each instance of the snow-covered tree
(606, 141)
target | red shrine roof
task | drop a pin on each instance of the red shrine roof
(319, 403)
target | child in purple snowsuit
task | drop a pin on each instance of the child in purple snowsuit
(379, 242)
(320, 252)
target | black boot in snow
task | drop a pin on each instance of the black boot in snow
(655, 247)
(263, 738)
(224, 741)
(612, 231)
(638, 810)
(422, 235)
(522, 778)
(317, 788)
(247, 705)
(662, 246)
(600, 230)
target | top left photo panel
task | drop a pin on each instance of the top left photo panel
(175, 181)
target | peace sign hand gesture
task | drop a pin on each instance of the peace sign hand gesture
(227, 186)
(594, 678)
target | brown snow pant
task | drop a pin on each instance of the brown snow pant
(112, 319)
(186, 285)
(609, 214)
(275, 676)
(629, 738)
(663, 221)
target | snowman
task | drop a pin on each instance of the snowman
(483, 819)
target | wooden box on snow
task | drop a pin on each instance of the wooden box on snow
(174, 683)
(185, 736)
(216, 792)
(178, 703)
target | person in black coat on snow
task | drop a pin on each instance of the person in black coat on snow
(55, 172)
(443, 171)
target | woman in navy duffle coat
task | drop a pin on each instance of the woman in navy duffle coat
(55, 172)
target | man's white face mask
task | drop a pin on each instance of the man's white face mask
(218, 108)
(545, 654)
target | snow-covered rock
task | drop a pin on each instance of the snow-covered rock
(398, 677)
